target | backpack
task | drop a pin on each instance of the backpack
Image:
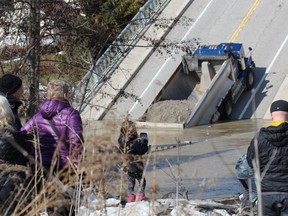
(243, 170)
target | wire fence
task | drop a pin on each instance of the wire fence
(116, 52)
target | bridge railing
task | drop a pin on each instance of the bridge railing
(116, 52)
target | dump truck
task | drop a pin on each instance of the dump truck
(221, 73)
(197, 88)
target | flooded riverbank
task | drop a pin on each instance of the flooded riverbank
(198, 171)
(170, 133)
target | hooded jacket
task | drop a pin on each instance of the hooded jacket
(272, 146)
(57, 125)
(133, 145)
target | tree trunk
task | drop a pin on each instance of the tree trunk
(34, 57)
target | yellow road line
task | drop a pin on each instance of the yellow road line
(244, 21)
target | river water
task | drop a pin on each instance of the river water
(204, 169)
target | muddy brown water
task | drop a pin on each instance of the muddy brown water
(202, 170)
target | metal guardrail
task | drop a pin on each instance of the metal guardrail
(117, 51)
(162, 147)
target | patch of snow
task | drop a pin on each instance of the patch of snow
(186, 210)
(113, 207)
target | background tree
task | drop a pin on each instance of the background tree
(57, 38)
(34, 38)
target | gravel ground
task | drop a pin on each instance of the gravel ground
(170, 111)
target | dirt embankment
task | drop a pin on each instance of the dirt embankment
(170, 111)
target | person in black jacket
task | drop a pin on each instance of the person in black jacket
(11, 87)
(268, 153)
(15, 171)
(133, 146)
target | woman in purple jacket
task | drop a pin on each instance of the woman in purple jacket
(58, 127)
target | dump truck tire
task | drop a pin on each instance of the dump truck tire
(215, 118)
(227, 108)
(249, 78)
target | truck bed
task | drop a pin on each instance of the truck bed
(202, 92)
(208, 103)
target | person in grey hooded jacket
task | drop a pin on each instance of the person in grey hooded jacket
(58, 127)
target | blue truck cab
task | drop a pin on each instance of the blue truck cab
(224, 51)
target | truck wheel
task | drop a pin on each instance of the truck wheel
(227, 109)
(215, 117)
(249, 79)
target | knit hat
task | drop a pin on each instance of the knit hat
(279, 105)
(9, 83)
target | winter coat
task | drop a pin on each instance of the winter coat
(14, 169)
(15, 106)
(134, 147)
(134, 144)
(271, 140)
(11, 154)
(57, 126)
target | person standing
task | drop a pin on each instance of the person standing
(15, 170)
(268, 152)
(11, 87)
(133, 147)
(58, 127)
(245, 175)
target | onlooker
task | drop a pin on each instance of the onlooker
(11, 87)
(134, 146)
(14, 162)
(245, 175)
(58, 127)
(269, 149)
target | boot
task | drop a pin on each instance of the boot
(130, 198)
(140, 197)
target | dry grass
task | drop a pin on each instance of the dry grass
(98, 172)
